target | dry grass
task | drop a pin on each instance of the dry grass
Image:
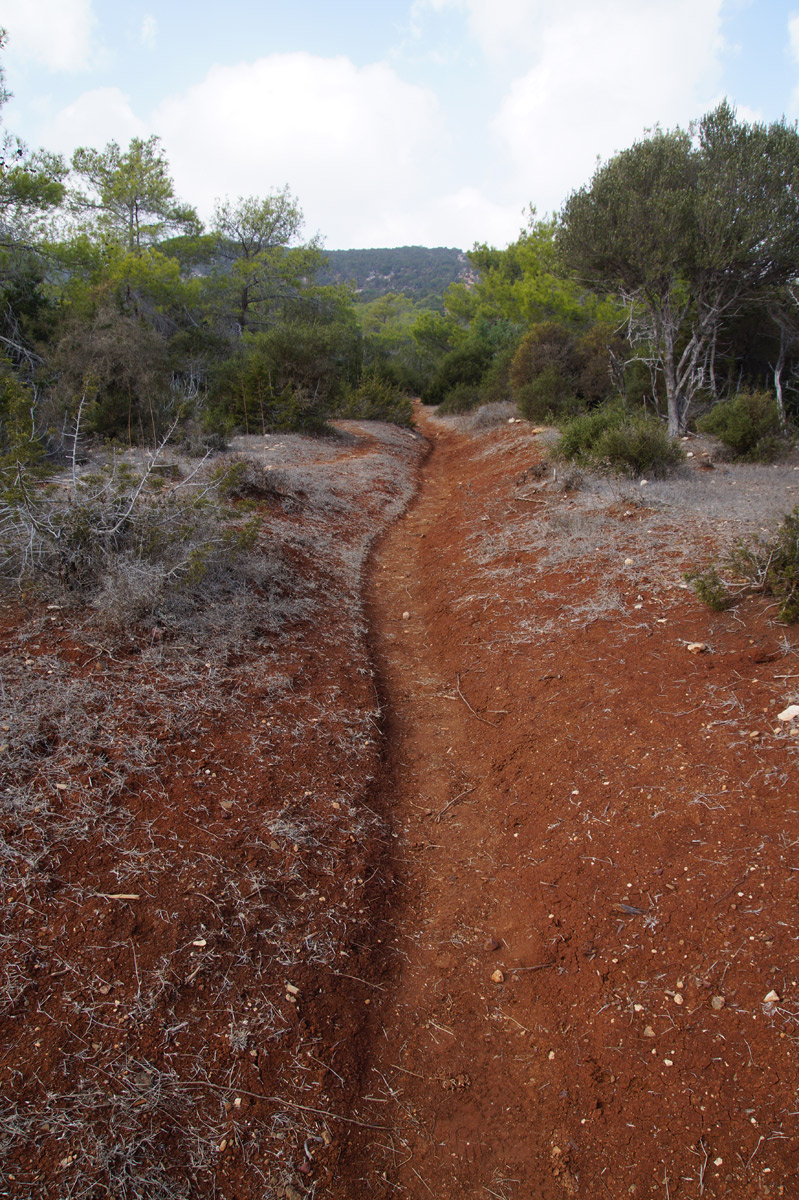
(106, 718)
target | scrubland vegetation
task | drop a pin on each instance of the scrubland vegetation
(137, 346)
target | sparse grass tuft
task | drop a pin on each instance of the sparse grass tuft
(769, 566)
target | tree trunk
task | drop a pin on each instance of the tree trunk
(673, 396)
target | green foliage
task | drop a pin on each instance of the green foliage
(465, 364)
(614, 438)
(688, 229)
(118, 366)
(526, 284)
(711, 589)
(377, 399)
(284, 378)
(555, 372)
(20, 441)
(543, 372)
(749, 424)
(419, 273)
(131, 197)
(771, 565)
(766, 565)
(463, 397)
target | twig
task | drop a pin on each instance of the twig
(427, 1185)
(281, 1100)
(357, 978)
(468, 705)
(538, 967)
(454, 800)
(754, 1152)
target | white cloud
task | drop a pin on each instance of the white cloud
(599, 75)
(357, 146)
(793, 35)
(149, 31)
(94, 119)
(54, 33)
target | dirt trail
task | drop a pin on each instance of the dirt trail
(591, 875)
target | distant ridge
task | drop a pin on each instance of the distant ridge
(419, 272)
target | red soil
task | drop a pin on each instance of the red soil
(515, 942)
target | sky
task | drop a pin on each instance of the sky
(393, 122)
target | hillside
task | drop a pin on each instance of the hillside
(420, 272)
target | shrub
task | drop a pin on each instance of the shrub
(614, 438)
(544, 371)
(766, 565)
(377, 399)
(465, 364)
(640, 445)
(711, 589)
(116, 541)
(462, 398)
(554, 372)
(749, 425)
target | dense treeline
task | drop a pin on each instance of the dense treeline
(665, 287)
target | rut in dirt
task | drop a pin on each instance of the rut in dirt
(548, 1031)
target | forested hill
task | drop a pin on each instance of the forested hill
(419, 272)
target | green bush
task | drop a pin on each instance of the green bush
(548, 397)
(766, 565)
(555, 373)
(711, 589)
(466, 364)
(614, 438)
(377, 399)
(749, 425)
(462, 398)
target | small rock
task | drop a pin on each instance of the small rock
(678, 999)
(498, 977)
(696, 647)
(304, 1168)
(649, 1032)
(789, 714)
(718, 1161)
(771, 998)
(406, 616)
(628, 562)
(491, 944)
(717, 1003)
(638, 1007)
(291, 1193)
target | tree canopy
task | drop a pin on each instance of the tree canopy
(685, 227)
(129, 194)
